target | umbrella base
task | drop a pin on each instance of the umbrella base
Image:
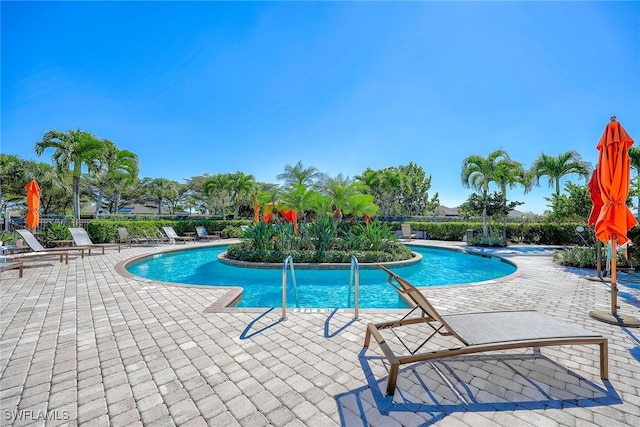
(615, 319)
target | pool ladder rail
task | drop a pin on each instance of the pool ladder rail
(354, 282)
(288, 261)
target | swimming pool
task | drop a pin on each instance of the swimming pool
(318, 288)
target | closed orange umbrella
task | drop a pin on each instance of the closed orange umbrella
(614, 178)
(596, 198)
(33, 203)
(615, 218)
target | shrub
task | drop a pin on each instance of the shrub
(231, 232)
(586, 257)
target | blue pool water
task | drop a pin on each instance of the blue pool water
(318, 288)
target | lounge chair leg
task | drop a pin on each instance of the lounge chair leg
(604, 360)
(393, 378)
(367, 338)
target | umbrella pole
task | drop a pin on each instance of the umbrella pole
(612, 317)
(599, 259)
(614, 283)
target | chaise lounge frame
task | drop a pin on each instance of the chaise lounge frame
(36, 246)
(81, 239)
(173, 236)
(406, 232)
(478, 332)
(202, 233)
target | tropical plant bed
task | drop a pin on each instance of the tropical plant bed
(322, 241)
(244, 251)
(415, 258)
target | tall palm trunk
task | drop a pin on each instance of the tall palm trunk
(116, 201)
(485, 230)
(99, 200)
(76, 197)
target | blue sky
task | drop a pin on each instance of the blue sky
(210, 87)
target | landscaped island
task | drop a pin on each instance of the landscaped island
(321, 241)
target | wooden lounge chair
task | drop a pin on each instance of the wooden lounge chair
(407, 233)
(173, 236)
(203, 235)
(81, 238)
(477, 332)
(35, 246)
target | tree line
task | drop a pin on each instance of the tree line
(102, 174)
(88, 170)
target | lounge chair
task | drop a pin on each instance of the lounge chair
(4, 266)
(33, 243)
(126, 238)
(81, 238)
(203, 235)
(477, 332)
(173, 236)
(26, 256)
(406, 232)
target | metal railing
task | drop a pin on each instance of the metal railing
(12, 224)
(354, 279)
(288, 261)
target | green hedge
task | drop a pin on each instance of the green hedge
(536, 233)
(542, 233)
(106, 231)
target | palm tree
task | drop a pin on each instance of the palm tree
(340, 190)
(298, 174)
(479, 172)
(240, 186)
(372, 181)
(510, 173)
(300, 198)
(217, 187)
(72, 149)
(160, 189)
(634, 156)
(115, 166)
(9, 166)
(360, 205)
(555, 168)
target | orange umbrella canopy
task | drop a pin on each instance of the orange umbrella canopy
(33, 203)
(614, 176)
(596, 198)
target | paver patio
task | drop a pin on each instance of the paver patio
(82, 344)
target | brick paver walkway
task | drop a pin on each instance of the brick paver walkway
(83, 345)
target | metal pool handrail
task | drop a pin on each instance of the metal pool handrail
(354, 276)
(284, 285)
